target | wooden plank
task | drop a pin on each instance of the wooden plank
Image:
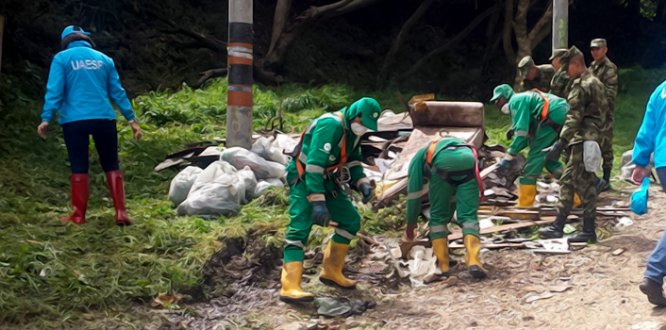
(457, 234)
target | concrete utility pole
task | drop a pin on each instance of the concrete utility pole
(239, 60)
(560, 24)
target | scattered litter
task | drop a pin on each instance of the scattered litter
(559, 288)
(534, 297)
(557, 245)
(618, 252)
(624, 222)
(569, 229)
(486, 223)
(340, 307)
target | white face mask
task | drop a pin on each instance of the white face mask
(358, 129)
(505, 109)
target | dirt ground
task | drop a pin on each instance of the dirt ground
(595, 287)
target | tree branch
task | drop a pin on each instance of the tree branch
(282, 9)
(399, 40)
(507, 29)
(542, 26)
(209, 42)
(460, 36)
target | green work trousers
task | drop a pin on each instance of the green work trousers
(339, 206)
(544, 137)
(446, 197)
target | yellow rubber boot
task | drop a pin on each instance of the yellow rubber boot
(473, 247)
(291, 283)
(440, 246)
(334, 260)
(576, 201)
(526, 195)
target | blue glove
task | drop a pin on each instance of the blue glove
(320, 215)
(639, 198)
(505, 163)
(366, 190)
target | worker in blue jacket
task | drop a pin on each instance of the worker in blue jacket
(82, 83)
(651, 138)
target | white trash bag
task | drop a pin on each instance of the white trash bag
(591, 156)
(263, 148)
(182, 183)
(214, 170)
(221, 197)
(262, 186)
(263, 169)
(246, 176)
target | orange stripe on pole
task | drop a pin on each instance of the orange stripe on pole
(240, 44)
(243, 99)
(239, 60)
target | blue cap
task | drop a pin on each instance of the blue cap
(72, 29)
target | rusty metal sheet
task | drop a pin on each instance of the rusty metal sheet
(447, 114)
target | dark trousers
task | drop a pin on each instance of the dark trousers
(77, 137)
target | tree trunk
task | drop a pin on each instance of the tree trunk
(286, 30)
(525, 39)
(400, 39)
(507, 31)
(457, 38)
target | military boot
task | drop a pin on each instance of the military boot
(555, 230)
(588, 234)
(334, 260)
(291, 291)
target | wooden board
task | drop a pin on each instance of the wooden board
(457, 234)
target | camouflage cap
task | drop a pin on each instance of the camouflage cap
(598, 43)
(524, 65)
(557, 52)
(571, 53)
(504, 91)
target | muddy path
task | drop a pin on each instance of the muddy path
(595, 287)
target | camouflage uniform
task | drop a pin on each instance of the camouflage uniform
(606, 71)
(542, 81)
(560, 85)
(586, 101)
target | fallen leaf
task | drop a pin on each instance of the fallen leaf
(165, 300)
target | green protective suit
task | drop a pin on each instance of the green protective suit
(459, 192)
(321, 149)
(529, 131)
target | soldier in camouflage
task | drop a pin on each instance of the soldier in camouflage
(534, 76)
(606, 71)
(586, 99)
(560, 85)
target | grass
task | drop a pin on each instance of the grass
(54, 274)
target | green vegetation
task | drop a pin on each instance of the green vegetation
(52, 272)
